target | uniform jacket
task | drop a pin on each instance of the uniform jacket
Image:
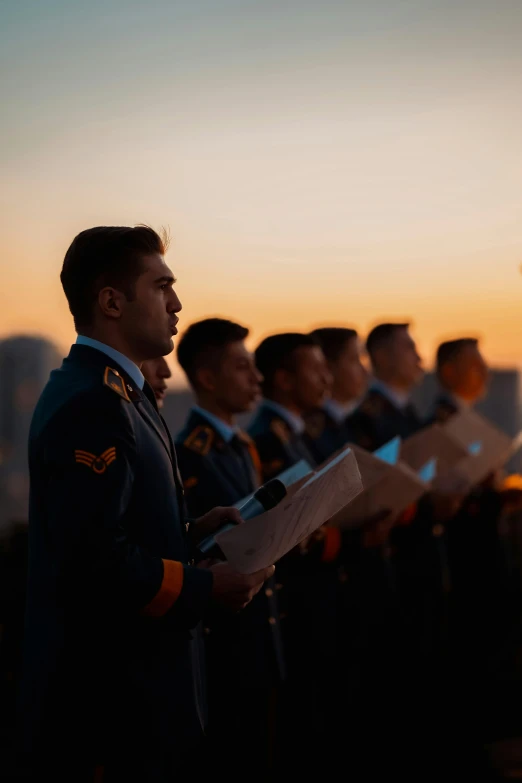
(245, 648)
(377, 421)
(278, 446)
(112, 597)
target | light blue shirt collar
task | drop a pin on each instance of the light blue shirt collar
(222, 428)
(337, 410)
(397, 398)
(132, 370)
(296, 423)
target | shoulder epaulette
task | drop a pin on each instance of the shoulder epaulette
(114, 381)
(200, 440)
(281, 430)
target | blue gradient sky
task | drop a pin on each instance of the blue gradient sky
(317, 162)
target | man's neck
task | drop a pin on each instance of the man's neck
(342, 399)
(394, 385)
(459, 400)
(115, 342)
(287, 403)
(216, 410)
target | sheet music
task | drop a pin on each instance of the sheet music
(265, 539)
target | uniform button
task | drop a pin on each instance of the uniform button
(272, 620)
(269, 592)
(437, 530)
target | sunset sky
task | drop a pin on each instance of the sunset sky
(317, 161)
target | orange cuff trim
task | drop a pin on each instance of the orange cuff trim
(332, 544)
(169, 591)
(407, 515)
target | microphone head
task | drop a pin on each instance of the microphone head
(271, 493)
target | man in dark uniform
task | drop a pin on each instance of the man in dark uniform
(463, 376)
(219, 465)
(296, 381)
(326, 426)
(157, 372)
(386, 411)
(400, 581)
(484, 608)
(213, 451)
(112, 596)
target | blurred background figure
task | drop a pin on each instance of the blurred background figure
(462, 374)
(296, 381)
(326, 426)
(220, 466)
(387, 409)
(157, 372)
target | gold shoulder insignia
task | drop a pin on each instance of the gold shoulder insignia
(280, 430)
(114, 381)
(200, 440)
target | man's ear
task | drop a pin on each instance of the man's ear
(110, 302)
(447, 375)
(283, 380)
(205, 379)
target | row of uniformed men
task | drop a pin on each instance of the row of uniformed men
(352, 623)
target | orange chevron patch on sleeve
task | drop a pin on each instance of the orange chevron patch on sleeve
(97, 464)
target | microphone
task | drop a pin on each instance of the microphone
(263, 499)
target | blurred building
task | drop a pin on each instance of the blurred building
(25, 365)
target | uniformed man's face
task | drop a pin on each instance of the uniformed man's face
(467, 375)
(350, 377)
(235, 380)
(150, 318)
(156, 372)
(403, 362)
(311, 380)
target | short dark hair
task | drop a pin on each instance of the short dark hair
(333, 339)
(105, 255)
(380, 335)
(200, 343)
(278, 352)
(448, 351)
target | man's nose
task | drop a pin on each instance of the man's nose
(174, 305)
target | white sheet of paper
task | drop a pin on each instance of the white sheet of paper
(386, 487)
(488, 447)
(264, 540)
